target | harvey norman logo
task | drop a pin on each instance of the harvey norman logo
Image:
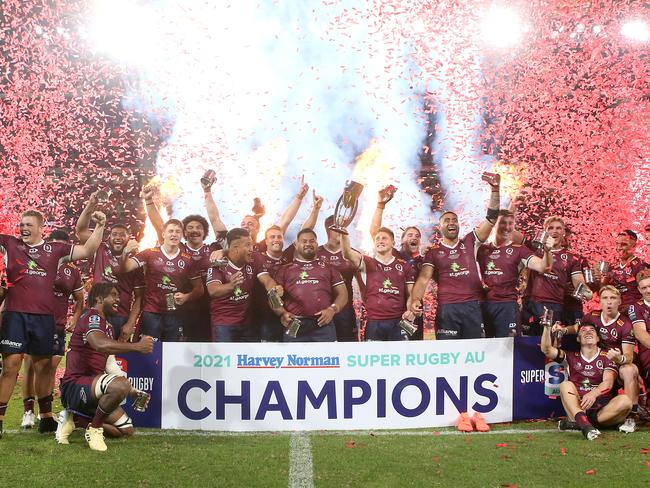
(249, 361)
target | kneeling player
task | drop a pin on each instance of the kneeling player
(86, 388)
(586, 395)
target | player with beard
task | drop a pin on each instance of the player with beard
(345, 321)
(387, 282)
(547, 289)
(252, 222)
(587, 393)
(409, 251)
(231, 289)
(622, 275)
(68, 283)
(501, 263)
(28, 324)
(639, 314)
(105, 269)
(87, 391)
(617, 338)
(167, 271)
(314, 292)
(453, 264)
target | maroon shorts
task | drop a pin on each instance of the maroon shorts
(599, 404)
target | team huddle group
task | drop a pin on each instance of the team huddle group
(242, 288)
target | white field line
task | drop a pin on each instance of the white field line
(301, 469)
(377, 433)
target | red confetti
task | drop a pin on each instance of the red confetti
(590, 471)
(350, 444)
(563, 451)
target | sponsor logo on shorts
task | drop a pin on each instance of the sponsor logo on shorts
(447, 332)
(7, 342)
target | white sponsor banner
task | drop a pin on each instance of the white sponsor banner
(337, 386)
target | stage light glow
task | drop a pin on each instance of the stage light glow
(501, 27)
(122, 29)
(636, 30)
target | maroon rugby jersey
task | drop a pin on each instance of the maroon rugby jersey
(614, 333)
(68, 281)
(549, 287)
(588, 374)
(201, 257)
(640, 312)
(339, 263)
(233, 309)
(571, 302)
(261, 305)
(83, 360)
(162, 275)
(31, 272)
(623, 278)
(307, 286)
(386, 287)
(455, 270)
(500, 267)
(105, 269)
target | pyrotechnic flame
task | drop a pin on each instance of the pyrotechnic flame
(373, 169)
(512, 178)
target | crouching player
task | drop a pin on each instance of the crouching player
(587, 394)
(87, 389)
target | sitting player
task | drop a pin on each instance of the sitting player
(617, 338)
(586, 394)
(87, 389)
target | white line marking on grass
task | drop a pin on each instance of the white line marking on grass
(301, 470)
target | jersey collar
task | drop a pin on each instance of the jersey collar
(602, 318)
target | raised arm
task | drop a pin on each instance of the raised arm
(546, 344)
(291, 211)
(541, 265)
(88, 249)
(213, 213)
(384, 196)
(350, 254)
(516, 236)
(312, 218)
(126, 260)
(83, 222)
(483, 230)
(102, 343)
(152, 212)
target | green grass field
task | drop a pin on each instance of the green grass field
(521, 454)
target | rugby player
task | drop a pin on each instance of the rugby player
(617, 338)
(501, 263)
(105, 269)
(28, 324)
(68, 283)
(167, 271)
(587, 393)
(639, 313)
(231, 289)
(548, 289)
(314, 292)
(387, 282)
(453, 264)
(87, 391)
(622, 275)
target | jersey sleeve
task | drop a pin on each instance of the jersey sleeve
(77, 284)
(632, 313)
(525, 254)
(608, 364)
(410, 274)
(215, 275)
(93, 323)
(576, 267)
(428, 259)
(141, 258)
(627, 336)
(259, 265)
(335, 276)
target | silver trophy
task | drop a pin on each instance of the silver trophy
(603, 267)
(274, 298)
(140, 400)
(546, 319)
(219, 263)
(102, 197)
(408, 326)
(294, 327)
(582, 292)
(346, 207)
(588, 274)
(208, 179)
(171, 302)
(539, 240)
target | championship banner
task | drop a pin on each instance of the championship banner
(309, 386)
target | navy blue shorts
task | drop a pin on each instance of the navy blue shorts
(197, 325)
(78, 396)
(166, 327)
(570, 316)
(310, 332)
(345, 323)
(231, 333)
(385, 330)
(501, 318)
(459, 321)
(58, 349)
(28, 333)
(532, 313)
(270, 328)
